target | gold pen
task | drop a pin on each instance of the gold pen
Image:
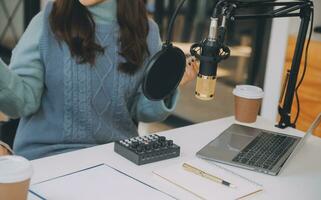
(206, 175)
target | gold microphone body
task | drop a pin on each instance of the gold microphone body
(205, 87)
(206, 78)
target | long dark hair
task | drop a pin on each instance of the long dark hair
(72, 23)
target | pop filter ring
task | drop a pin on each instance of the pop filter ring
(167, 47)
(152, 73)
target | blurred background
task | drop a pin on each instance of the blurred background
(249, 41)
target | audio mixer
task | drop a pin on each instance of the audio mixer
(147, 149)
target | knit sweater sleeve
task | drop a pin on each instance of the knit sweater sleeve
(22, 82)
(145, 110)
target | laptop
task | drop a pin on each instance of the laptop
(255, 149)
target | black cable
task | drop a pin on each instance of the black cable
(217, 7)
(304, 69)
(172, 21)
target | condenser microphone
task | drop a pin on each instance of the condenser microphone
(206, 78)
(212, 51)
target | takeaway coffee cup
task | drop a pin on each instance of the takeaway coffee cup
(15, 175)
(248, 100)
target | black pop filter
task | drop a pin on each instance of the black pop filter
(164, 73)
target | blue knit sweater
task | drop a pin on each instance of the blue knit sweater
(66, 106)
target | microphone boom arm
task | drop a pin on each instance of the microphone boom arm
(225, 11)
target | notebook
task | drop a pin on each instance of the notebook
(99, 182)
(203, 188)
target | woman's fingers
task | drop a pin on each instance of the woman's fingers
(191, 70)
(3, 151)
(196, 65)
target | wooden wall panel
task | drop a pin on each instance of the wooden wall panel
(310, 90)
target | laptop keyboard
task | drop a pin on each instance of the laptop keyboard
(265, 150)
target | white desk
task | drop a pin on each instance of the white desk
(300, 180)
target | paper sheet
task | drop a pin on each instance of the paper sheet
(32, 196)
(100, 183)
(203, 188)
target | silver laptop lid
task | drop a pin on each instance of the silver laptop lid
(309, 132)
(313, 126)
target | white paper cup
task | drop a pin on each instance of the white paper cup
(15, 175)
(248, 100)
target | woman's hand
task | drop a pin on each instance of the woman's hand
(4, 151)
(191, 71)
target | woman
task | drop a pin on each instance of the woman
(75, 76)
